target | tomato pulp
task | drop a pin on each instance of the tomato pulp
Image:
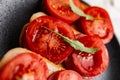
(61, 9)
(87, 64)
(101, 26)
(25, 66)
(47, 43)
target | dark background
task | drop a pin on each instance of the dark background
(15, 13)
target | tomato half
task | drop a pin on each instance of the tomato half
(47, 43)
(61, 9)
(65, 75)
(101, 27)
(89, 65)
(25, 66)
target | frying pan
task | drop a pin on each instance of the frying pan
(15, 13)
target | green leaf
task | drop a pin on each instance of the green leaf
(75, 43)
(80, 12)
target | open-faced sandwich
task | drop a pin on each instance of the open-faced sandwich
(64, 42)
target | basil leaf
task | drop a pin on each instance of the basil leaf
(80, 12)
(75, 43)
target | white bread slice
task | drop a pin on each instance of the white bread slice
(14, 52)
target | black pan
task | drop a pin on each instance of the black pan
(15, 13)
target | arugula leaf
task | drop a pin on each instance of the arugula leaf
(80, 12)
(75, 43)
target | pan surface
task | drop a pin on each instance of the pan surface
(15, 13)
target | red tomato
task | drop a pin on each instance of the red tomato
(87, 64)
(101, 27)
(47, 43)
(65, 75)
(25, 66)
(61, 9)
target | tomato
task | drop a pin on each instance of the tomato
(47, 43)
(101, 27)
(65, 75)
(89, 65)
(24, 66)
(61, 9)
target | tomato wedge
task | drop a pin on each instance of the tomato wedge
(47, 43)
(61, 9)
(65, 75)
(101, 27)
(24, 66)
(89, 65)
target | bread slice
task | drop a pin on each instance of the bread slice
(14, 52)
(36, 15)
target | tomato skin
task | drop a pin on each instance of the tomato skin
(61, 9)
(89, 65)
(65, 75)
(46, 43)
(24, 64)
(102, 27)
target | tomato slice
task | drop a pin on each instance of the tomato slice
(101, 27)
(47, 43)
(61, 9)
(24, 66)
(65, 75)
(89, 65)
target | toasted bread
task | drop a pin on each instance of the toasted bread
(36, 15)
(14, 52)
